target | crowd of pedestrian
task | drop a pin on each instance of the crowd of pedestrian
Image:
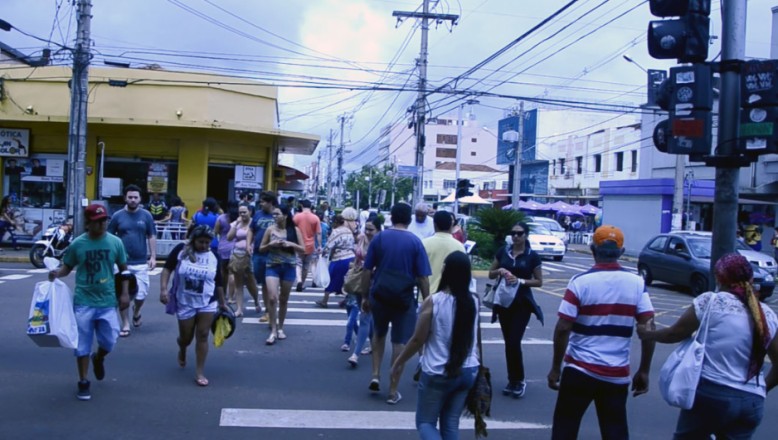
(411, 283)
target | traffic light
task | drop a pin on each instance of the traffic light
(463, 188)
(685, 38)
(759, 107)
(687, 95)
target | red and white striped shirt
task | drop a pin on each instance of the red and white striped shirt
(603, 304)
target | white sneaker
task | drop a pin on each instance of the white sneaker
(345, 347)
(353, 360)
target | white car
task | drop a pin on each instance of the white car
(553, 227)
(543, 243)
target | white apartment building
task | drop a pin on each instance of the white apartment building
(478, 157)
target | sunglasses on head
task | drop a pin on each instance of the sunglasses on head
(517, 233)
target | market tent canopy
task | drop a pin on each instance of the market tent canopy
(589, 209)
(529, 205)
(475, 199)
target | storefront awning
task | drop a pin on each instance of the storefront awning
(289, 174)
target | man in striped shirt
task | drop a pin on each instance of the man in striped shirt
(596, 322)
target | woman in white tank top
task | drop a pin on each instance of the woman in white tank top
(447, 329)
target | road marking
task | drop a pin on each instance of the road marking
(330, 323)
(527, 341)
(15, 277)
(330, 419)
(38, 271)
(551, 269)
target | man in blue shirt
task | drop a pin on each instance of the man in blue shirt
(262, 220)
(135, 226)
(399, 262)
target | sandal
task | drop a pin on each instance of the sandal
(271, 339)
(124, 333)
(136, 322)
(203, 382)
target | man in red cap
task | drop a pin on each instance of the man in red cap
(596, 320)
(94, 254)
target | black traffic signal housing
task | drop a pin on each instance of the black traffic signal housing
(687, 95)
(759, 107)
(685, 38)
(463, 188)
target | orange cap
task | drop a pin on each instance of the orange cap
(606, 233)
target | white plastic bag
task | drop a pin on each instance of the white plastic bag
(321, 273)
(51, 314)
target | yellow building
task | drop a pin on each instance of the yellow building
(186, 134)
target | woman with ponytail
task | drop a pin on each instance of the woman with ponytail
(729, 402)
(447, 330)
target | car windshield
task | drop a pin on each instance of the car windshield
(538, 229)
(551, 225)
(700, 247)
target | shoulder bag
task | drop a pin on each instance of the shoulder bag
(478, 402)
(680, 373)
(394, 289)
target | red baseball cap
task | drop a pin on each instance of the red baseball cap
(95, 212)
(606, 233)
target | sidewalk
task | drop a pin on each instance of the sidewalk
(9, 255)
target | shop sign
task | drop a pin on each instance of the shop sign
(36, 169)
(157, 178)
(14, 142)
(249, 176)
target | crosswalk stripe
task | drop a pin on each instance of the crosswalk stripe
(330, 322)
(13, 277)
(551, 269)
(38, 271)
(350, 419)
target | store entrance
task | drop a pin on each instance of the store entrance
(221, 181)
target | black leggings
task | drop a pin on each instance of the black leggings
(513, 323)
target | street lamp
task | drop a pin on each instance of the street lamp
(630, 60)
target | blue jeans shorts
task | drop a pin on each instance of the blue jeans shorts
(403, 322)
(91, 321)
(259, 261)
(284, 272)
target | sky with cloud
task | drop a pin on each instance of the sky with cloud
(327, 55)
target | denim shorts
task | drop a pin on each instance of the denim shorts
(403, 322)
(259, 261)
(91, 321)
(284, 271)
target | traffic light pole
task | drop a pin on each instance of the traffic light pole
(459, 155)
(733, 17)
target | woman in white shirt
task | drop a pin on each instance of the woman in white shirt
(729, 401)
(447, 329)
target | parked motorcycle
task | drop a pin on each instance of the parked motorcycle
(53, 243)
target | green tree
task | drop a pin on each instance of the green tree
(491, 227)
(370, 181)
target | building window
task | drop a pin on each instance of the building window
(490, 185)
(579, 165)
(448, 139)
(553, 167)
(474, 140)
(634, 161)
(620, 161)
(598, 163)
(562, 167)
(504, 184)
(472, 153)
(449, 183)
(446, 152)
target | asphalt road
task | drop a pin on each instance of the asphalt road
(301, 388)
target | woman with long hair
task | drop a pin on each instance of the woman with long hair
(517, 263)
(224, 248)
(197, 285)
(729, 401)
(365, 328)
(447, 329)
(240, 266)
(281, 241)
(7, 221)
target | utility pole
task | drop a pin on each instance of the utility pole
(676, 223)
(517, 161)
(339, 201)
(317, 182)
(329, 171)
(733, 32)
(459, 157)
(420, 110)
(76, 186)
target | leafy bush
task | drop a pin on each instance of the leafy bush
(490, 227)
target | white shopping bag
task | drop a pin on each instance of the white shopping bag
(52, 322)
(321, 273)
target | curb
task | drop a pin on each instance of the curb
(14, 259)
